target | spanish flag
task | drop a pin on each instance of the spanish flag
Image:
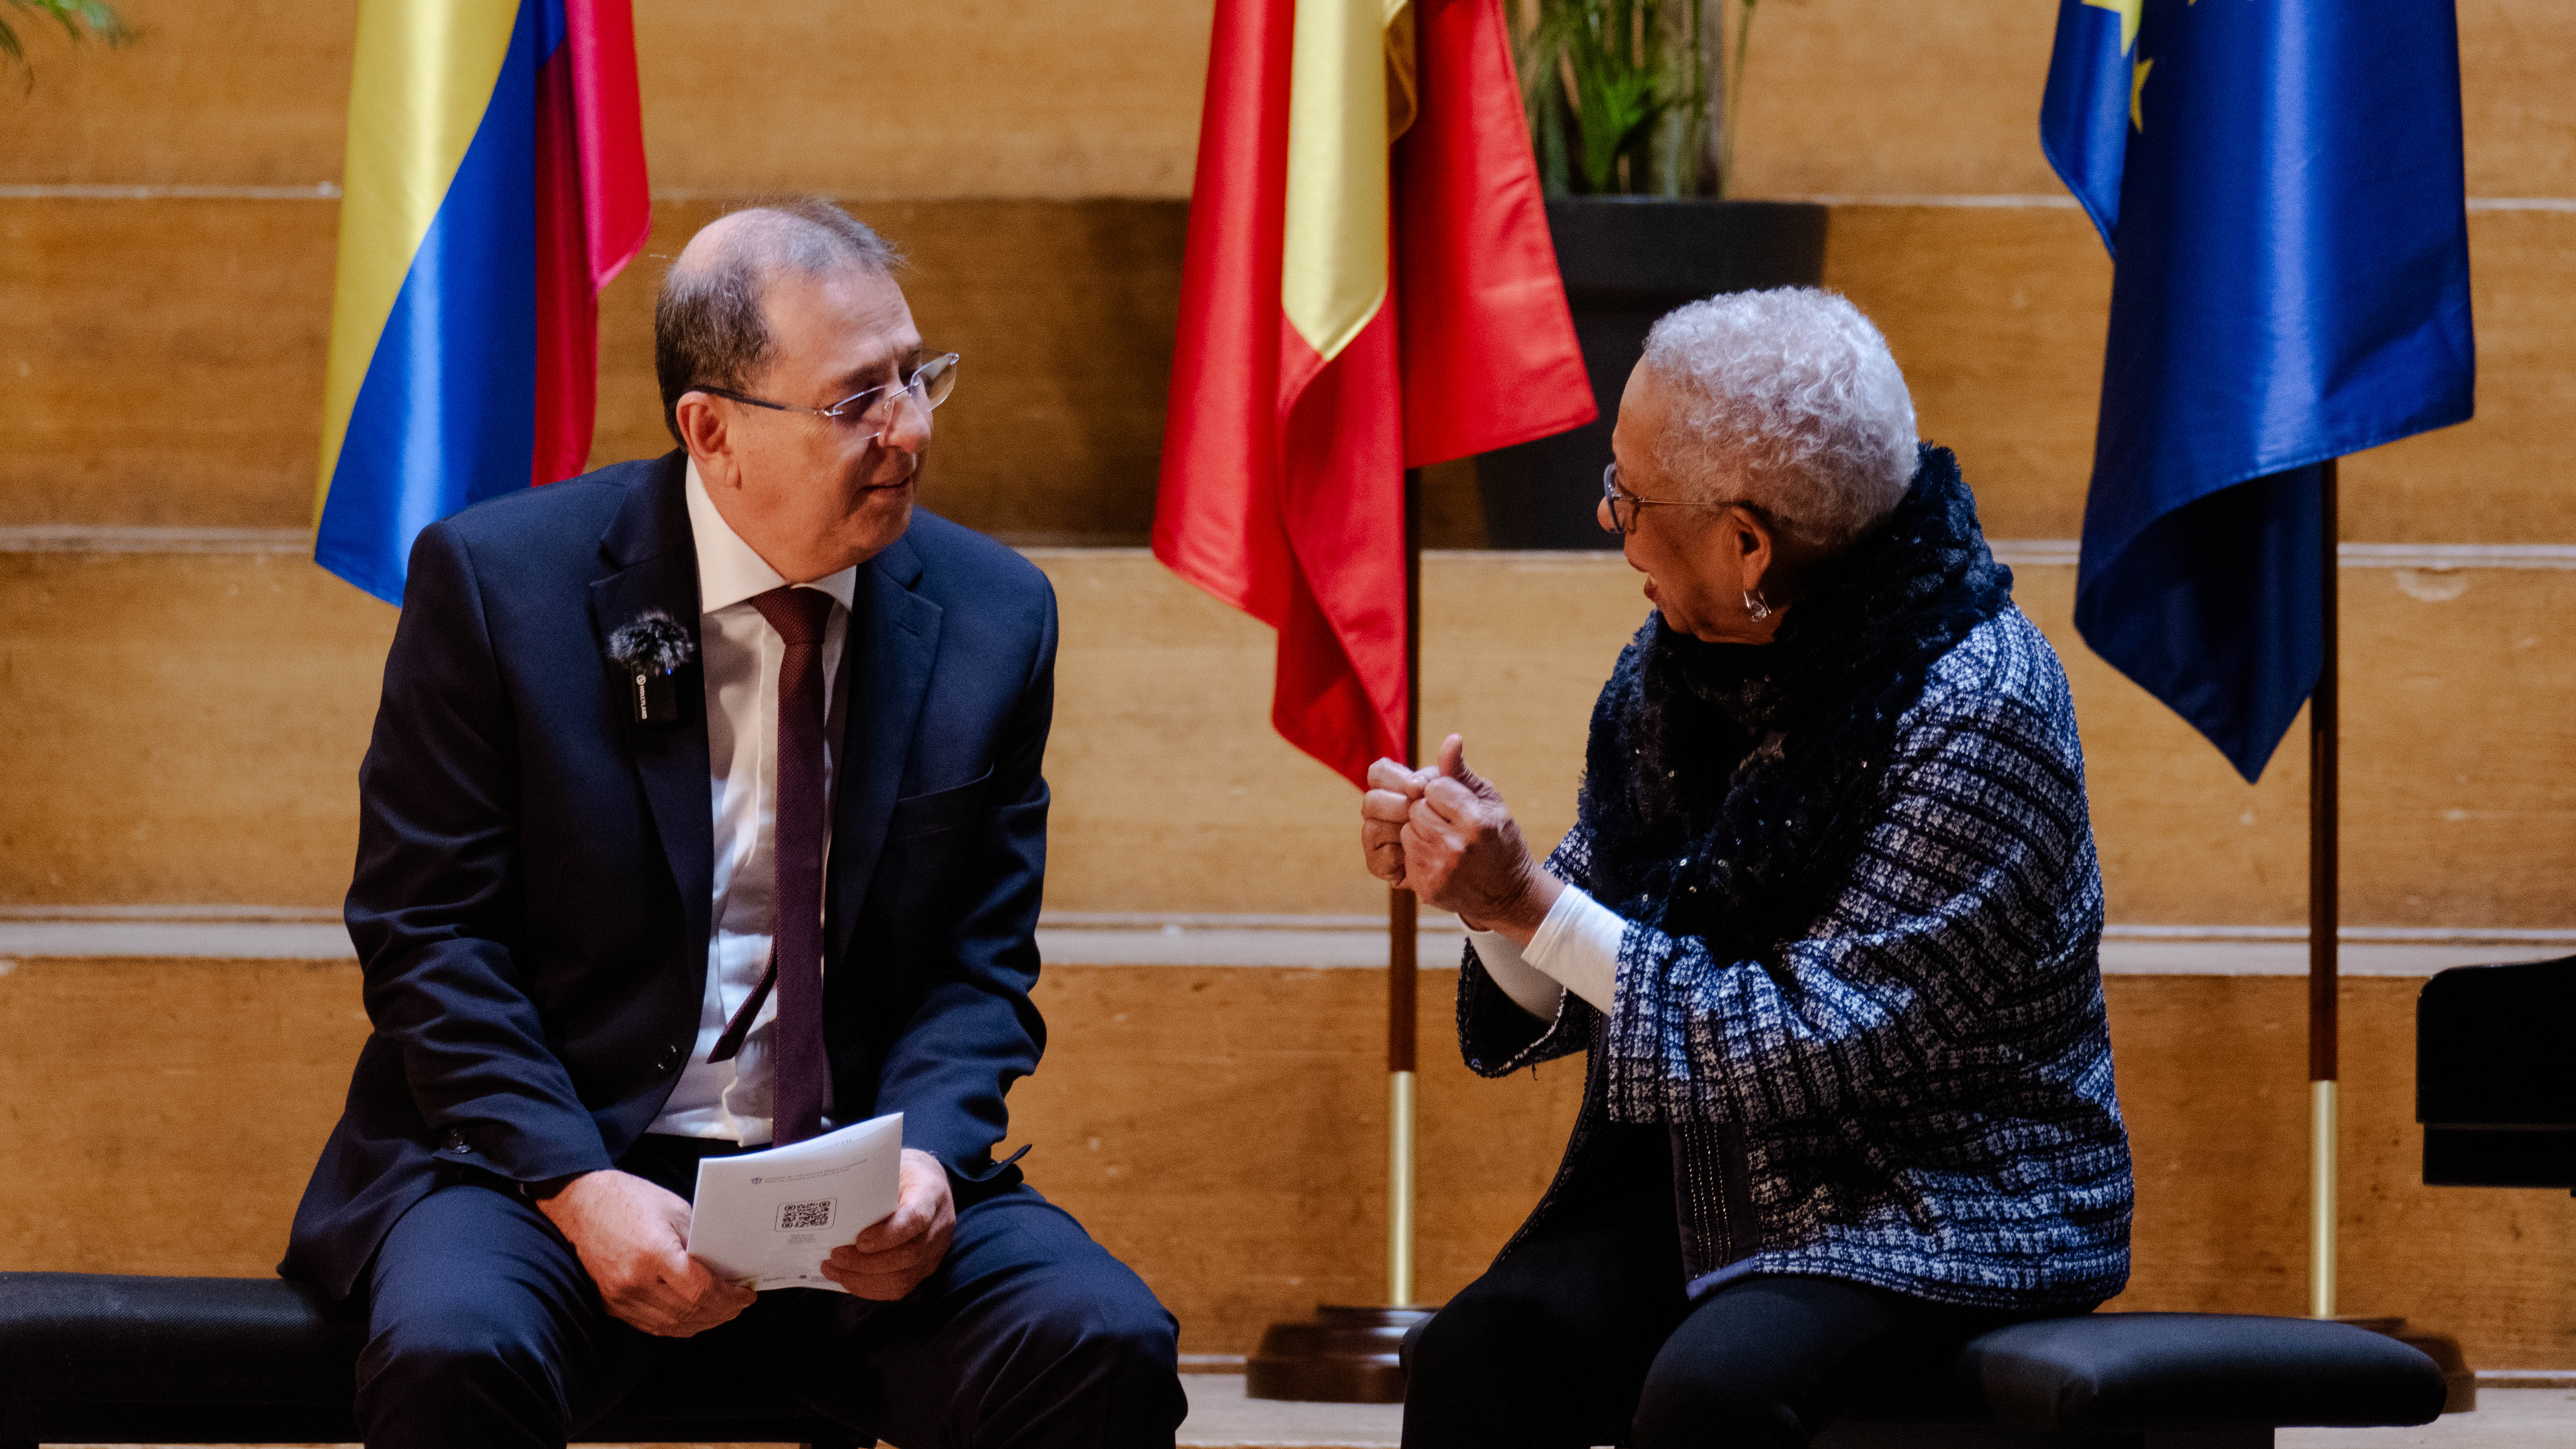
(494, 183)
(1369, 286)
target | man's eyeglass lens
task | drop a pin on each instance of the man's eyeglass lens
(930, 385)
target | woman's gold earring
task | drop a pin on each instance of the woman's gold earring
(1756, 605)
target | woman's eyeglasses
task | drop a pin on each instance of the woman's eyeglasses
(1624, 505)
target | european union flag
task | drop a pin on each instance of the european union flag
(2279, 182)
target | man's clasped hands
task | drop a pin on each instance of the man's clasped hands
(1445, 834)
(633, 1239)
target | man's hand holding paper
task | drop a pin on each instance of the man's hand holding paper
(631, 1236)
(779, 1218)
(893, 1255)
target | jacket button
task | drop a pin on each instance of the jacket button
(456, 1142)
(670, 1058)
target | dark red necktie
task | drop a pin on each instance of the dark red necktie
(796, 858)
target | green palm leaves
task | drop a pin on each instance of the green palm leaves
(1619, 95)
(80, 20)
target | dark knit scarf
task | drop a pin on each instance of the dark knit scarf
(1728, 786)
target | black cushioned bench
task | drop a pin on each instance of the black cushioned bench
(2145, 1381)
(93, 1358)
(2153, 1381)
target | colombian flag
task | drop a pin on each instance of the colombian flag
(1369, 286)
(494, 183)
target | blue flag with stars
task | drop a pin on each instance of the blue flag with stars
(2279, 182)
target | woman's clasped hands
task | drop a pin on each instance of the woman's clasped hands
(1445, 834)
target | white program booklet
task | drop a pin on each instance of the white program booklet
(768, 1219)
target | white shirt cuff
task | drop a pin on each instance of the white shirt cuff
(1578, 945)
(1531, 989)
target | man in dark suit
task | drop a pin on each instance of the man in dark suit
(609, 932)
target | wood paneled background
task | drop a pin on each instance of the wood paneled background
(183, 727)
(187, 728)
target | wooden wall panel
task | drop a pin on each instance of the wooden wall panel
(2504, 475)
(886, 98)
(161, 362)
(1223, 1130)
(1850, 97)
(164, 358)
(1062, 314)
(2516, 113)
(2213, 1081)
(182, 728)
(163, 1115)
(188, 728)
(865, 97)
(1101, 97)
(1997, 316)
(249, 93)
(2182, 838)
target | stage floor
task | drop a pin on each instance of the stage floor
(1222, 1418)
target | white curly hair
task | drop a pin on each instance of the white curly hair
(1788, 400)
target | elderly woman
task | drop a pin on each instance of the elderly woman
(1827, 925)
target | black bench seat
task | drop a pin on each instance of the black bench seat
(98, 1358)
(88, 1358)
(2153, 1381)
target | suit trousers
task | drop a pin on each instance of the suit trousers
(483, 1329)
(1581, 1334)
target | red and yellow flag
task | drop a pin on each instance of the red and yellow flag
(1369, 286)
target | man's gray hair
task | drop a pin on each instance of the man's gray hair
(1788, 400)
(707, 326)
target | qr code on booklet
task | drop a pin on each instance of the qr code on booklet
(798, 1217)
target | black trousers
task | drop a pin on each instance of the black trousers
(484, 1330)
(1582, 1336)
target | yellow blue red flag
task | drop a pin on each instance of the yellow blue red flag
(494, 183)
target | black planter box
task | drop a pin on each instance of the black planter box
(1626, 261)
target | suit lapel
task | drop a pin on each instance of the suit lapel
(893, 641)
(656, 559)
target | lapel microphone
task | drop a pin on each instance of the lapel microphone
(648, 655)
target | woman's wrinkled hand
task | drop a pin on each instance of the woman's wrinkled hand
(1463, 852)
(1383, 811)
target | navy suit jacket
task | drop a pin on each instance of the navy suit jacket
(535, 870)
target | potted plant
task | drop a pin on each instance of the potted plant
(1631, 107)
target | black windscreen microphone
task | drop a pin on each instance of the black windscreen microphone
(649, 654)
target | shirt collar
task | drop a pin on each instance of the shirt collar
(730, 571)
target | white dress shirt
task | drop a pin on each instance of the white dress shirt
(741, 655)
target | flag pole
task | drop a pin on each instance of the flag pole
(1401, 940)
(2325, 747)
(2323, 742)
(1349, 1354)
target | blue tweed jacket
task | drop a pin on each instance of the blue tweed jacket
(1916, 1093)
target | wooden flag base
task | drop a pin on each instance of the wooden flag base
(1344, 1356)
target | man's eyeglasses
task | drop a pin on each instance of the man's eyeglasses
(1624, 505)
(874, 409)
